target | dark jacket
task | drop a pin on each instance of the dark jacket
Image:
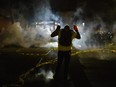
(65, 37)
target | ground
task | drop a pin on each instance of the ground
(34, 67)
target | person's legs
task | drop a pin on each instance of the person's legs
(59, 63)
(66, 64)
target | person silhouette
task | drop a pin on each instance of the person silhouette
(65, 37)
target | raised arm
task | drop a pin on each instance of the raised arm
(77, 33)
(55, 33)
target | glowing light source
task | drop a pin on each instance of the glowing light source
(83, 24)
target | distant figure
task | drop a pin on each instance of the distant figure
(65, 37)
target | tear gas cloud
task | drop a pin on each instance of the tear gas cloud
(40, 35)
(26, 37)
(44, 12)
(47, 75)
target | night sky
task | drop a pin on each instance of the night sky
(67, 5)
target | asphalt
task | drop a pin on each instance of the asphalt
(84, 72)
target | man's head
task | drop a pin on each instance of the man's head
(67, 27)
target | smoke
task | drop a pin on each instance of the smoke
(31, 36)
(46, 22)
(12, 35)
(47, 75)
(44, 13)
(94, 33)
(86, 33)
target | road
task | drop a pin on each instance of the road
(18, 69)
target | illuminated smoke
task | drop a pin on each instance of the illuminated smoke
(85, 37)
(12, 35)
(89, 29)
(44, 12)
(31, 36)
(40, 35)
(47, 75)
(94, 33)
(15, 35)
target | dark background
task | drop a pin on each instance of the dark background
(106, 9)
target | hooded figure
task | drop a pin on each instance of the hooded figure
(65, 37)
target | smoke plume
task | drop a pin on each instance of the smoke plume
(92, 32)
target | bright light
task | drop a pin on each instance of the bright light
(83, 24)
